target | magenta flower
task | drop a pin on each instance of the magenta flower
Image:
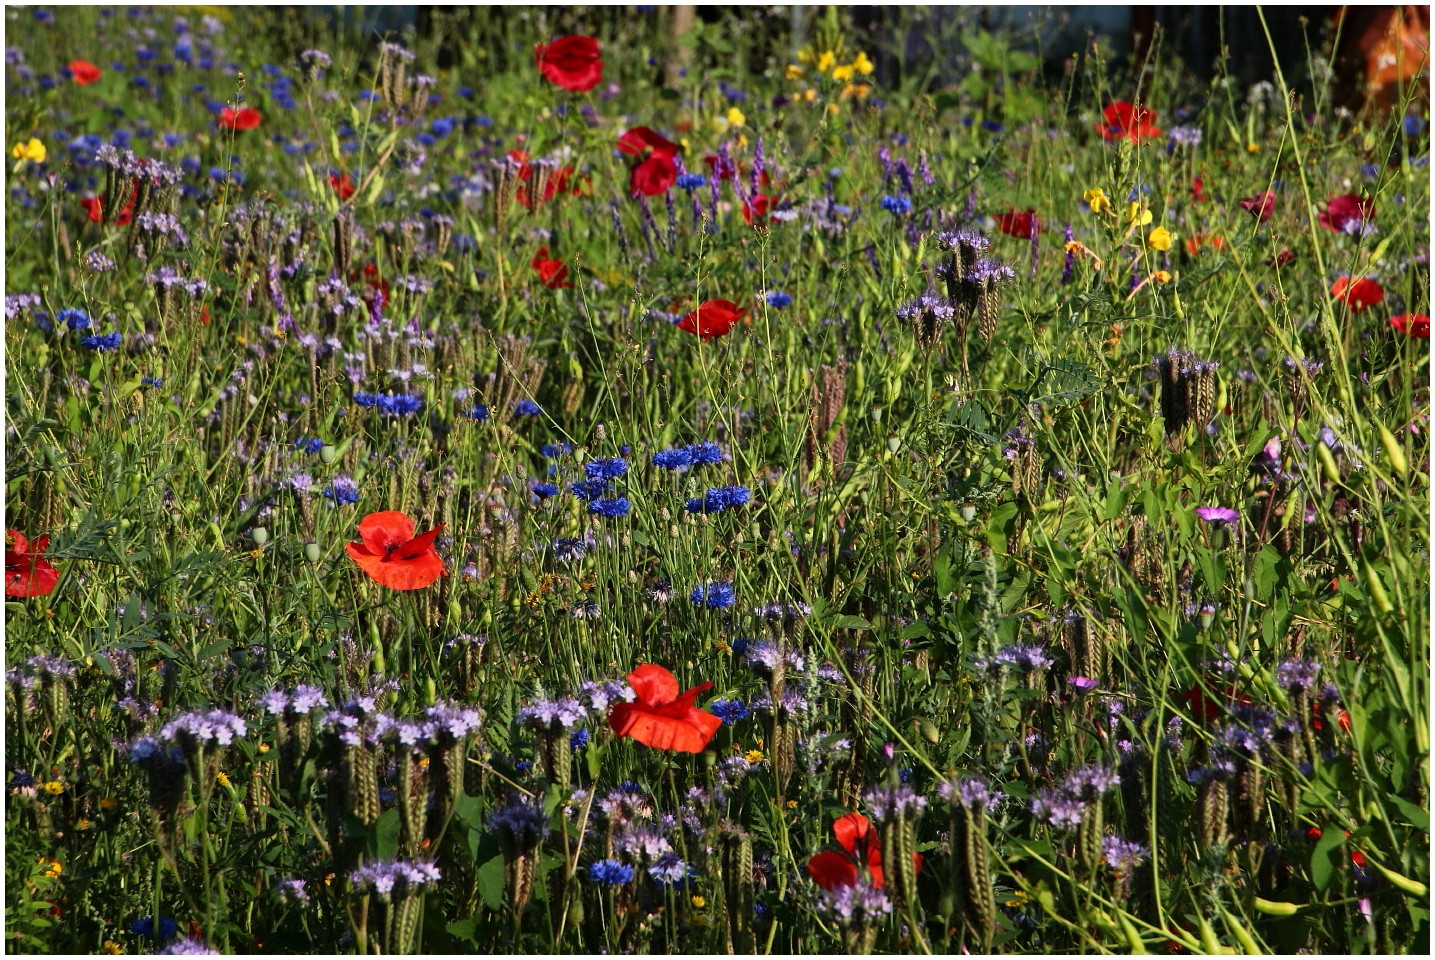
(1218, 514)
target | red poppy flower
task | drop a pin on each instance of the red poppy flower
(1019, 223)
(1340, 212)
(95, 208)
(204, 314)
(657, 172)
(83, 72)
(1358, 293)
(1127, 121)
(1205, 709)
(832, 870)
(245, 118)
(392, 556)
(1262, 205)
(573, 63)
(557, 180)
(27, 572)
(712, 318)
(1198, 190)
(553, 273)
(661, 717)
(1281, 259)
(733, 168)
(342, 185)
(1342, 718)
(376, 282)
(1197, 241)
(1412, 325)
(757, 211)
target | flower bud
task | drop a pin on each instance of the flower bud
(312, 552)
(259, 535)
(327, 453)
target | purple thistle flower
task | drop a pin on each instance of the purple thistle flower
(1123, 856)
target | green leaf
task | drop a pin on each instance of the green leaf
(1323, 861)
(490, 882)
(382, 842)
(1416, 816)
(849, 622)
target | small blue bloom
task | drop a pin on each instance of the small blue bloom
(605, 468)
(479, 412)
(675, 459)
(155, 382)
(309, 444)
(610, 872)
(74, 319)
(717, 596)
(897, 205)
(103, 342)
(589, 490)
(729, 711)
(779, 299)
(579, 738)
(610, 506)
(691, 181)
(526, 408)
(545, 490)
(706, 452)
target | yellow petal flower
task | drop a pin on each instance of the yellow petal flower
(862, 65)
(735, 117)
(33, 149)
(826, 62)
(842, 73)
(1159, 239)
(1097, 200)
(794, 72)
(1161, 276)
(1137, 215)
(809, 95)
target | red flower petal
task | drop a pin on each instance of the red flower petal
(662, 718)
(573, 63)
(712, 318)
(83, 72)
(832, 871)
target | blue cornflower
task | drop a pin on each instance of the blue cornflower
(144, 927)
(779, 299)
(993, 126)
(545, 490)
(479, 412)
(691, 181)
(897, 205)
(74, 319)
(342, 491)
(366, 400)
(568, 549)
(706, 452)
(155, 382)
(589, 490)
(718, 499)
(718, 596)
(402, 405)
(309, 444)
(610, 506)
(554, 450)
(610, 872)
(675, 459)
(579, 738)
(103, 342)
(729, 711)
(605, 468)
(526, 408)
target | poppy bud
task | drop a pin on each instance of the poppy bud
(968, 512)
(312, 552)
(894, 444)
(327, 453)
(259, 535)
(930, 731)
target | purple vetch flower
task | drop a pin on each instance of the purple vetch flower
(1057, 808)
(970, 792)
(397, 877)
(894, 803)
(567, 713)
(1218, 515)
(1298, 676)
(214, 726)
(520, 826)
(188, 947)
(292, 890)
(853, 905)
(1090, 782)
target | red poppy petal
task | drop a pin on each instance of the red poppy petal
(850, 829)
(654, 685)
(689, 735)
(412, 574)
(384, 529)
(832, 871)
(417, 547)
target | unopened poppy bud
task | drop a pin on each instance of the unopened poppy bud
(430, 691)
(259, 535)
(894, 444)
(968, 512)
(930, 731)
(327, 453)
(312, 552)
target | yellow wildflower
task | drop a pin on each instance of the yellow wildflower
(794, 72)
(1137, 215)
(735, 117)
(53, 868)
(1159, 239)
(108, 804)
(1253, 148)
(862, 65)
(1161, 276)
(843, 73)
(1097, 200)
(858, 90)
(699, 901)
(805, 55)
(753, 756)
(222, 778)
(809, 95)
(792, 804)
(84, 823)
(31, 150)
(263, 749)
(54, 788)
(113, 949)
(826, 62)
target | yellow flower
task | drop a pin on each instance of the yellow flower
(54, 788)
(699, 901)
(222, 778)
(53, 868)
(1253, 148)
(735, 117)
(1137, 215)
(862, 65)
(809, 95)
(792, 804)
(753, 756)
(1096, 199)
(826, 62)
(794, 72)
(263, 749)
(108, 804)
(843, 72)
(1159, 239)
(84, 823)
(113, 949)
(1161, 276)
(858, 90)
(804, 55)
(31, 150)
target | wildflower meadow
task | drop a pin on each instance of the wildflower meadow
(530, 485)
